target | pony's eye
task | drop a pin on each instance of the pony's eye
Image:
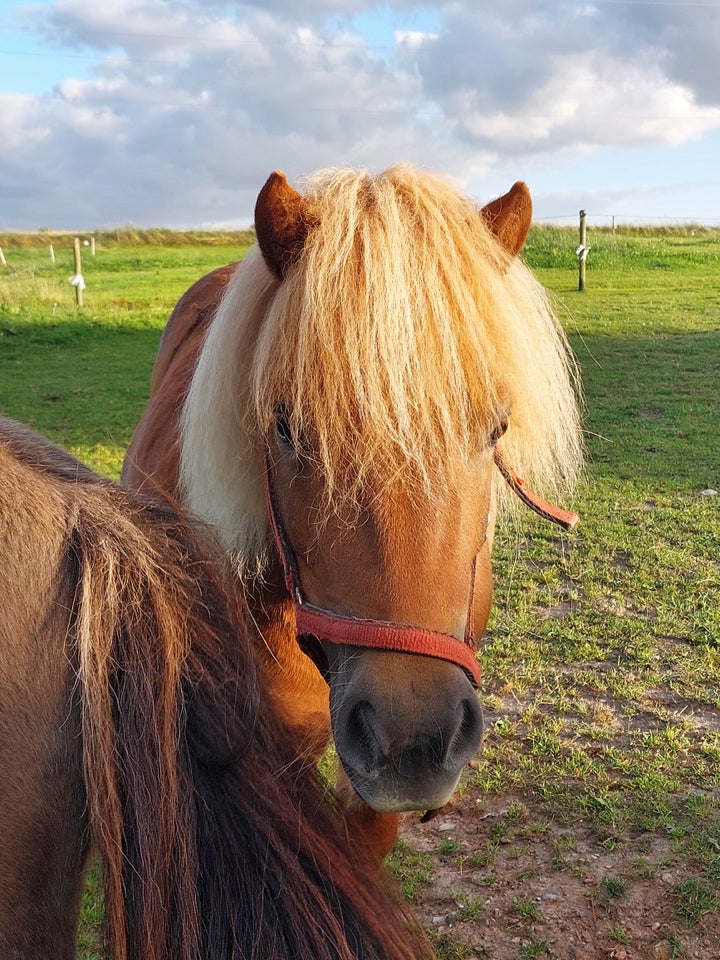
(498, 432)
(282, 428)
(287, 437)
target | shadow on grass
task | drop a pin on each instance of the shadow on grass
(653, 407)
(77, 382)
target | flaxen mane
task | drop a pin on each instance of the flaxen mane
(397, 344)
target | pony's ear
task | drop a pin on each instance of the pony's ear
(281, 223)
(509, 217)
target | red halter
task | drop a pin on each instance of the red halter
(324, 625)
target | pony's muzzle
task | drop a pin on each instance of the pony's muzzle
(404, 747)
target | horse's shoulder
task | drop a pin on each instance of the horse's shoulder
(188, 323)
(152, 456)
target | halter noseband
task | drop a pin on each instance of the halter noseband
(324, 625)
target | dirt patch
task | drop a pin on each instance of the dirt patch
(508, 884)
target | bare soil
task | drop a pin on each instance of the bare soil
(550, 890)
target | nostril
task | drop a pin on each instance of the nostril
(472, 722)
(361, 748)
(466, 739)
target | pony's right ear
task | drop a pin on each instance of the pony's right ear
(509, 217)
(281, 223)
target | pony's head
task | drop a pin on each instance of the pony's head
(383, 341)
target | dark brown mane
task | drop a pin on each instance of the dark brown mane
(216, 843)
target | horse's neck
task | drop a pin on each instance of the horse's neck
(219, 480)
(220, 463)
(221, 483)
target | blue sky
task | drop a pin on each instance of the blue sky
(173, 112)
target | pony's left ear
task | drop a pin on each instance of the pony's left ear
(509, 217)
(281, 223)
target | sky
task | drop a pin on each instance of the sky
(173, 112)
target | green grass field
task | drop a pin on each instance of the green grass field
(602, 660)
(81, 377)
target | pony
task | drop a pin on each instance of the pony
(134, 719)
(333, 406)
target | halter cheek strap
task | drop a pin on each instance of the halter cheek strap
(330, 627)
(325, 625)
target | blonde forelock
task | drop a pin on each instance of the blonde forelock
(405, 334)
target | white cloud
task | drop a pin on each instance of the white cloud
(583, 105)
(530, 77)
(189, 105)
(23, 127)
(412, 39)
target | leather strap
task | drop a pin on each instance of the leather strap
(325, 625)
(564, 518)
(380, 635)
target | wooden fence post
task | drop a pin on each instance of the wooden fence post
(582, 251)
(77, 280)
(3, 261)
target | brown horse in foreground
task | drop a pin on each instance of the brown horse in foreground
(332, 406)
(133, 718)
